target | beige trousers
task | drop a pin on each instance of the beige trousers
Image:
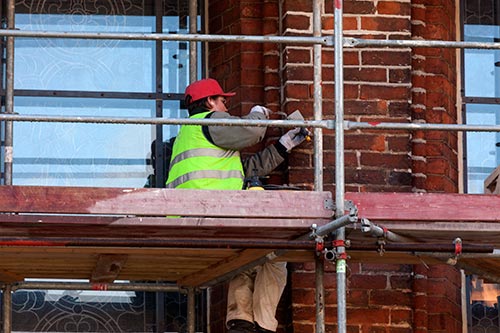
(254, 294)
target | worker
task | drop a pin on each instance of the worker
(208, 157)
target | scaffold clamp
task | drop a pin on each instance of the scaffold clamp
(381, 246)
(458, 251)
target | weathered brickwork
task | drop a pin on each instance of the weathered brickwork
(380, 85)
(433, 95)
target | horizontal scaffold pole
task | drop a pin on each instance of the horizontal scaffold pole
(360, 42)
(167, 121)
(323, 40)
(304, 40)
(439, 249)
(353, 125)
(340, 222)
(325, 124)
(121, 286)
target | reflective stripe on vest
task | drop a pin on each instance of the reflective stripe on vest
(199, 164)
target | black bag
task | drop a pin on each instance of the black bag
(166, 150)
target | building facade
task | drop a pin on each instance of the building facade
(381, 84)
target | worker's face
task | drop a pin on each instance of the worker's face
(218, 103)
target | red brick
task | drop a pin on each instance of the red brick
(351, 91)
(384, 92)
(298, 73)
(356, 297)
(303, 327)
(293, 55)
(399, 109)
(299, 91)
(386, 160)
(391, 58)
(359, 7)
(301, 176)
(297, 6)
(393, 8)
(359, 281)
(449, 272)
(370, 315)
(390, 297)
(398, 143)
(304, 296)
(357, 107)
(385, 24)
(298, 22)
(351, 58)
(349, 23)
(365, 74)
(401, 316)
(401, 282)
(400, 75)
(249, 9)
(304, 313)
(437, 166)
(365, 142)
(386, 268)
(375, 176)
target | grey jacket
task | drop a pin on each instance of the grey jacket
(240, 137)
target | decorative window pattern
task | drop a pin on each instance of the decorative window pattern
(98, 78)
(481, 22)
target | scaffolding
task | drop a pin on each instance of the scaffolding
(339, 125)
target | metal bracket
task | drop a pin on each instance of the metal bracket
(349, 205)
(329, 204)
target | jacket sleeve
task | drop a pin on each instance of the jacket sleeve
(264, 162)
(235, 137)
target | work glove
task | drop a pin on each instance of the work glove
(261, 109)
(293, 138)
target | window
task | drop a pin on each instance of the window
(481, 90)
(481, 75)
(98, 78)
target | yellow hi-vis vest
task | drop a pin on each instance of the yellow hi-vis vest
(196, 163)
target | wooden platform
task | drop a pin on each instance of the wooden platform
(103, 234)
(196, 238)
(435, 219)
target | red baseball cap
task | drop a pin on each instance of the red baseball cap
(204, 88)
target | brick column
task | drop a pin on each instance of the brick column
(434, 155)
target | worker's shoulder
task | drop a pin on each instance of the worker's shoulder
(220, 115)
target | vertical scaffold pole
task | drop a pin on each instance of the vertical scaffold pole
(318, 158)
(318, 99)
(191, 322)
(193, 29)
(320, 294)
(9, 95)
(339, 167)
(7, 308)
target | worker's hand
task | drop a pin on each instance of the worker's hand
(293, 138)
(261, 109)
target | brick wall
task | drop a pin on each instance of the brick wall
(434, 154)
(381, 85)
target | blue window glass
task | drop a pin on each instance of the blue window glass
(76, 154)
(92, 71)
(482, 84)
(84, 64)
(483, 154)
(482, 67)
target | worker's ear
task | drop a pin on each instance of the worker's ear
(210, 102)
